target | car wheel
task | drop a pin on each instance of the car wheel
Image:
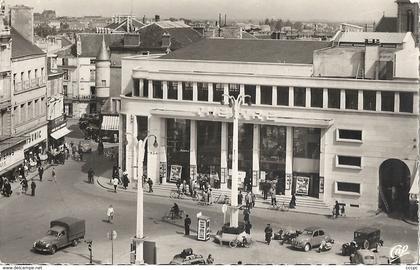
(307, 247)
(366, 244)
(53, 249)
(233, 244)
(74, 242)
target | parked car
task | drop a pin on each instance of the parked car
(363, 256)
(311, 237)
(188, 257)
(63, 232)
(366, 238)
(228, 234)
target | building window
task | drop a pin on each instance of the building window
(66, 75)
(300, 96)
(103, 82)
(406, 102)
(306, 142)
(22, 113)
(136, 87)
(349, 162)
(218, 92)
(187, 91)
(36, 111)
(283, 95)
(43, 105)
(92, 75)
(234, 90)
(145, 89)
(203, 92)
(317, 97)
(387, 100)
(157, 89)
(347, 187)
(369, 100)
(349, 135)
(266, 95)
(172, 90)
(250, 90)
(334, 98)
(351, 99)
(16, 115)
(30, 111)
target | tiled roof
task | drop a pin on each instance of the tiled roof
(249, 50)
(384, 38)
(65, 42)
(387, 24)
(22, 47)
(122, 26)
(172, 24)
(248, 35)
(91, 42)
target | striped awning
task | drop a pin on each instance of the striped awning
(110, 122)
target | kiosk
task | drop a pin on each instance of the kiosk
(203, 228)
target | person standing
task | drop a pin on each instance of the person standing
(1, 183)
(24, 184)
(91, 173)
(210, 259)
(240, 197)
(248, 227)
(125, 179)
(252, 199)
(210, 198)
(187, 223)
(273, 198)
(53, 175)
(268, 234)
(150, 183)
(110, 213)
(33, 187)
(80, 153)
(7, 189)
(115, 183)
(247, 202)
(336, 209)
(292, 203)
(40, 172)
(246, 215)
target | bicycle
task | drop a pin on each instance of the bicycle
(171, 215)
(176, 195)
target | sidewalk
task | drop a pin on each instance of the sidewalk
(164, 191)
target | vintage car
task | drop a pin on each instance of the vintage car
(366, 238)
(188, 257)
(229, 234)
(363, 256)
(310, 237)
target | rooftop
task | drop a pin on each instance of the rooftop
(22, 47)
(384, 37)
(171, 24)
(387, 24)
(250, 50)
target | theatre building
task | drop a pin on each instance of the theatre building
(328, 120)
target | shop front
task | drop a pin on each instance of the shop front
(36, 145)
(178, 149)
(109, 128)
(11, 157)
(57, 129)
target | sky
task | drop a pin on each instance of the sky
(295, 10)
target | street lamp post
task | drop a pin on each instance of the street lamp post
(235, 104)
(139, 225)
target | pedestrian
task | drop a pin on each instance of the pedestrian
(247, 202)
(178, 185)
(273, 198)
(210, 198)
(53, 175)
(33, 187)
(246, 215)
(248, 227)
(268, 234)
(40, 172)
(80, 154)
(125, 179)
(150, 183)
(110, 213)
(240, 196)
(1, 183)
(292, 203)
(115, 183)
(184, 186)
(7, 189)
(253, 199)
(187, 223)
(100, 148)
(91, 174)
(24, 185)
(264, 188)
(336, 209)
(343, 211)
(210, 259)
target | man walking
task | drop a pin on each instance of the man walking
(115, 183)
(110, 213)
(240, 196)
(248, 227)
(187, 223)
(246, 215)
(91, 173)
(53, 175)
(40, 172)
(268, 234)
(33, 187)
(150, 183)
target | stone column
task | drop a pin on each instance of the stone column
(342, 99)
(325, 98)
(226, 92)
(150, 89)
(210, 89)
(163, 165)
(378, 101)
(256, 159)
(289, 160)
(179, 90)
(165, 89)
(307, 97)
(195, 91)
(224, 155)
(360, 100)
(396, 102)
(242, 89)
(258, 95)
(415, 103)
(131, 149)
(141, 88)
(291, 96)
(322, 182)
(153, 152)
(274, 96)
(193, 149)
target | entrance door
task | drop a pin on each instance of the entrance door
(394, 186)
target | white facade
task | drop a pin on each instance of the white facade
(385, 134)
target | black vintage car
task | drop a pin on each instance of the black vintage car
(366, 238)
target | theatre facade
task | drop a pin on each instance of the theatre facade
(318, 124)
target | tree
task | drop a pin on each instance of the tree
(44, 30)
(278, 25)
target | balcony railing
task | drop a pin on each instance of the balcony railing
(84, 97)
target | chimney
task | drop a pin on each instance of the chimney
(22, 19)
(371, 58)
(166, 40)
(157, 18)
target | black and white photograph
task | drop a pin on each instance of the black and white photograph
(218, 132)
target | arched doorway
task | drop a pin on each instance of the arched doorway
(394, 186)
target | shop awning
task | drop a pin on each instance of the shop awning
(414, 190)
(60, 133)
(110, 122)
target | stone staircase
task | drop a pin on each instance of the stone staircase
(303, 203)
